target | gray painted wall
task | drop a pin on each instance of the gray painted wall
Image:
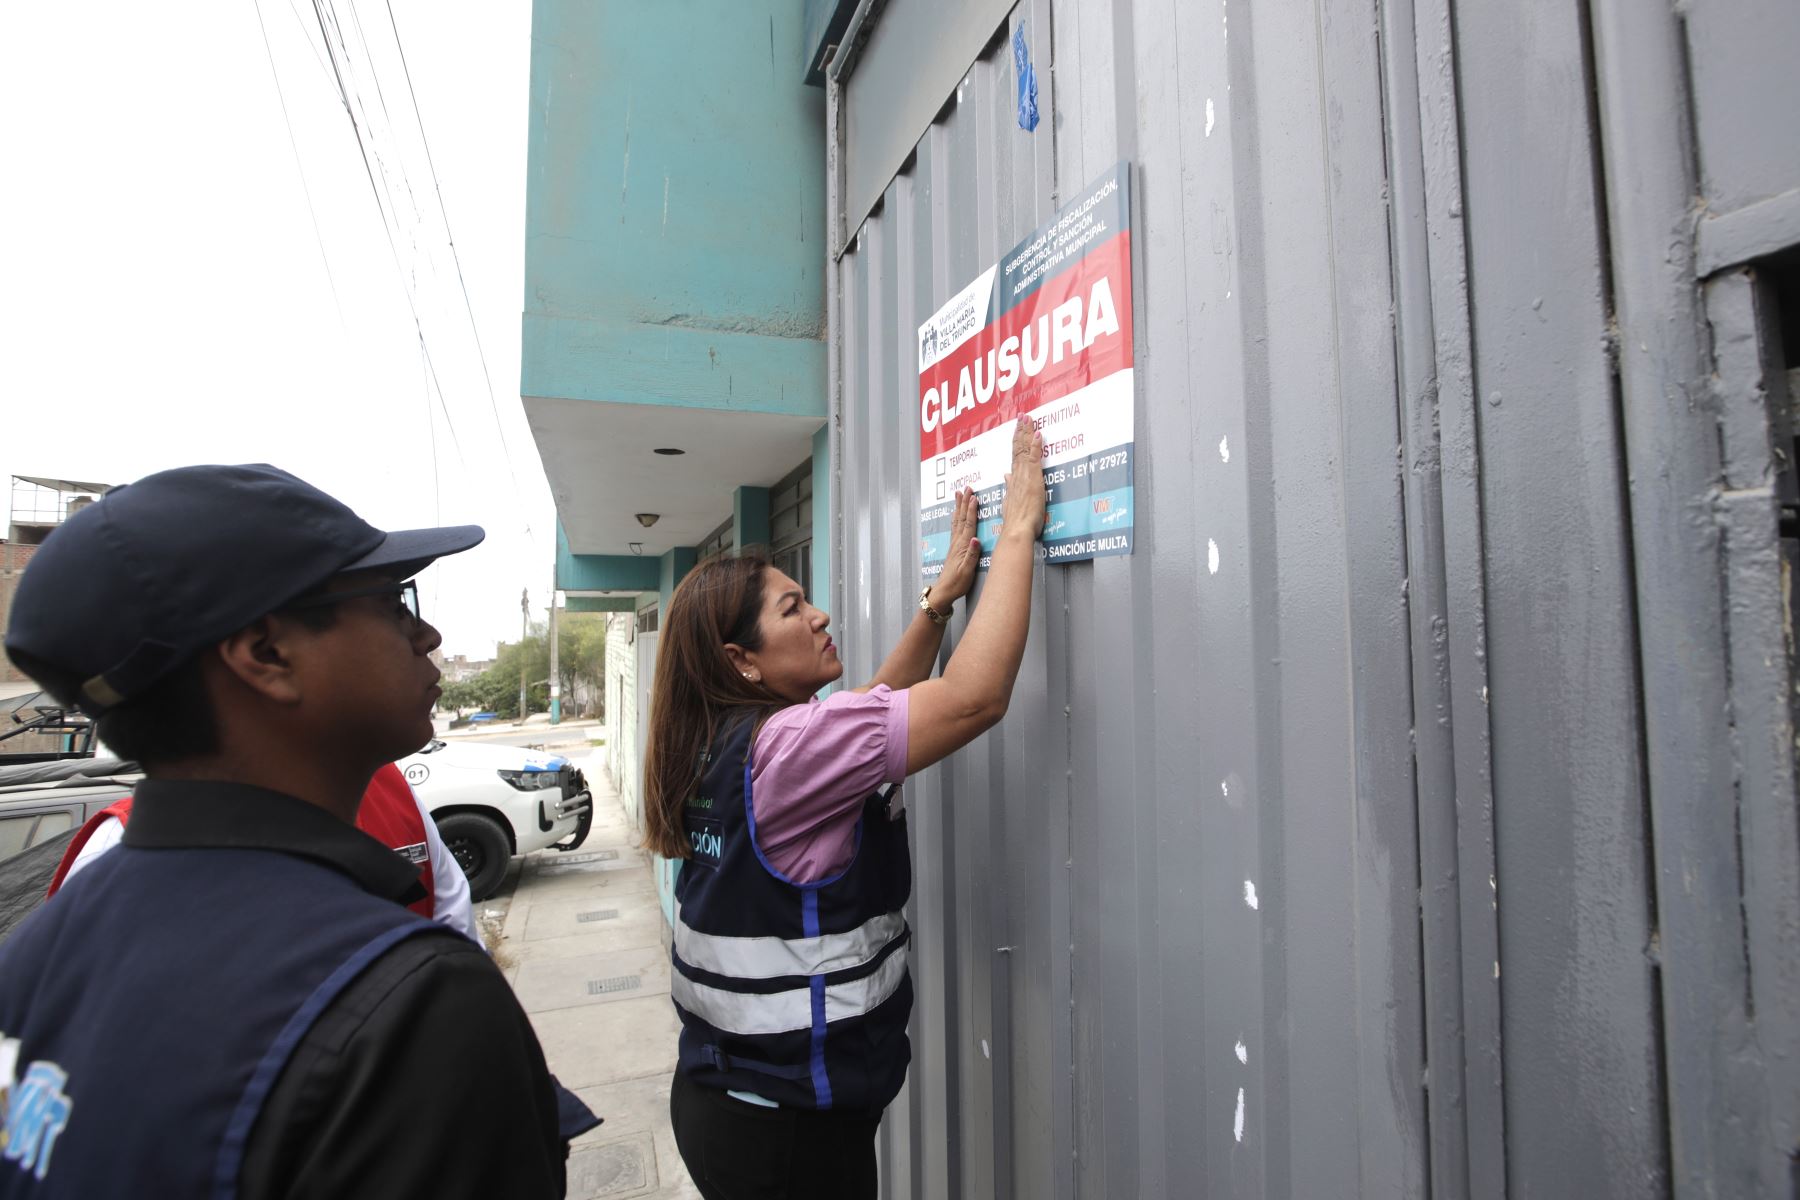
(1378, 310)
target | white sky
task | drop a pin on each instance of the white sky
(163, 299)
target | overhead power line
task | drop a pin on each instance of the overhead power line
(344, 94)
(455, 257)
(343, 75)
(299, 166)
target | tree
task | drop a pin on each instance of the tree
(581, 650)
(581, 653)
(458, 696)
(496, 689)
(530, 656)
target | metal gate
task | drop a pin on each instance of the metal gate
(1392, 822)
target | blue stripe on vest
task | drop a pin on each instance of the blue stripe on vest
(809, 919)
(243, 1118)
(756, 845)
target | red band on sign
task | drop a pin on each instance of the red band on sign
(1075, 329)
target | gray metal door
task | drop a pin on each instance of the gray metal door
(1375, 829)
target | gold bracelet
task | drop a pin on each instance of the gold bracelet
(937, 618)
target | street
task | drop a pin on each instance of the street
(544, 736)
(566, 736)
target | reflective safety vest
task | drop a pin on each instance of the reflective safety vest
(388, 813)
(798, 993)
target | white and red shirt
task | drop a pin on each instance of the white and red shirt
(391, 812)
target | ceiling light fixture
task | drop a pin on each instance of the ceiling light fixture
(671, 451)
(635, 547)
(648, 519)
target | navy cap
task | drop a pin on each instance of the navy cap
(135, 584)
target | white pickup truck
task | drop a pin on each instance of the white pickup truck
(493, 801)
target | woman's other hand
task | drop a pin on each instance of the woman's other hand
(958, 575)
(1023, 508)
(947, 713)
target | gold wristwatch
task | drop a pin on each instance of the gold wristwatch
(937, 618)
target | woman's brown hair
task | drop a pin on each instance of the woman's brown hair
(697, 688)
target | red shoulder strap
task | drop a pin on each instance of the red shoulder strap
(388, 814)
(119, 808)
(391, 815)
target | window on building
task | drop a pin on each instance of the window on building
(647, 620)
(790, 526)
(719, 541)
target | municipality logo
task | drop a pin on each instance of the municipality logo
(928, 345)
(36, 1109)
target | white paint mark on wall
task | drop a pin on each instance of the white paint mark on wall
(984, 1050)
(1496, 969)
(1225, 448)
(1237, 1123)
(1225, 788)
(1209, 116)
(1243, 1054)
(1250, 899)
(1212, 557)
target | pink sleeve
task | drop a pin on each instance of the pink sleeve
(812, 767)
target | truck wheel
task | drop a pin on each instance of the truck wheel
(480, 848)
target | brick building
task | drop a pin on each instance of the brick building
(13, 557)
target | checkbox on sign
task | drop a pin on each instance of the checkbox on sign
(940, 491)
(942, 464)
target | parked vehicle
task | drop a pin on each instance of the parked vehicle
(42, 804)
(492, 802)
(34, 727)
(479, 718)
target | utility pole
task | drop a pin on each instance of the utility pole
(524, 632)
(555, 659)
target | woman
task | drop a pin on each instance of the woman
(790, 941)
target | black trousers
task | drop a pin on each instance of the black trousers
(736, 1150)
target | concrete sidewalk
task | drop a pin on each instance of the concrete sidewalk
(582, 945)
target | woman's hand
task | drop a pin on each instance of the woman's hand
(948, 713)
(958, 575)
(1024, 504)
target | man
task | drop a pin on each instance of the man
(235, 1001)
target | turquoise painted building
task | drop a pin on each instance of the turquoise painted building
(673, 367)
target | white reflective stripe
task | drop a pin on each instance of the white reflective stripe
(773, 957)
(865, 995)
(783, 1012)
